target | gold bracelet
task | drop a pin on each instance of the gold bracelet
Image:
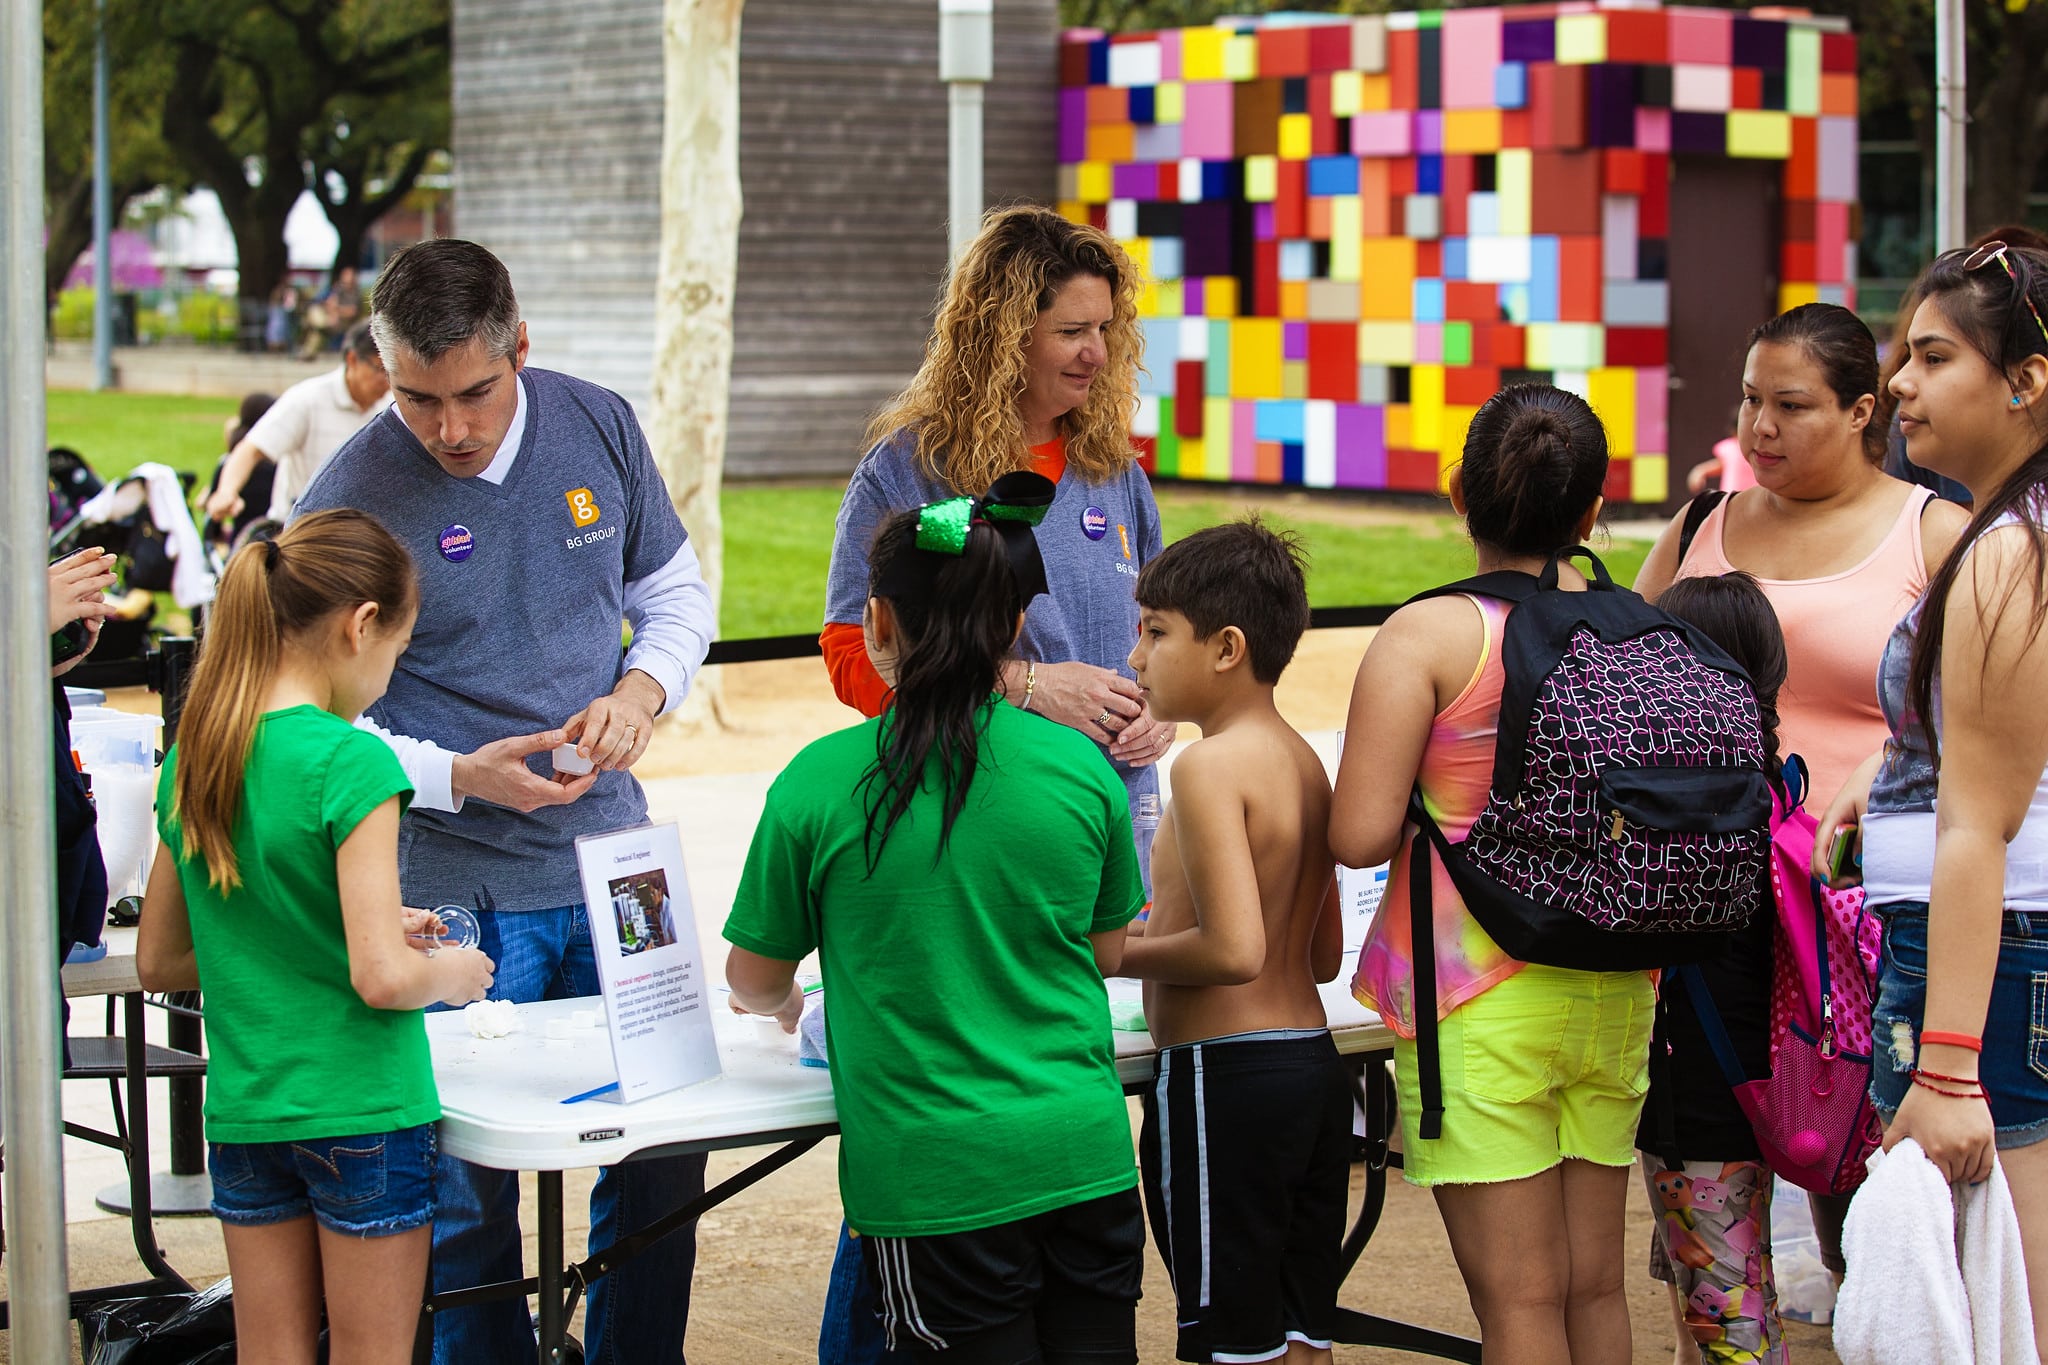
(1030, 684)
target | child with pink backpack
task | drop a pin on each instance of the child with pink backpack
(1762, 1055)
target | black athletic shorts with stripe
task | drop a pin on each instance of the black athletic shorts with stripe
(1060, 1287)
(1246, 1154)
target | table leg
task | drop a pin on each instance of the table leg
(1365, 1329)
(140, 1213)
(552, 1327)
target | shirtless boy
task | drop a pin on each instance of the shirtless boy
(1247, 1134)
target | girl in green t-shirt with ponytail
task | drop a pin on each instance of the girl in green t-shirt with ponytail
(276, 891)
(964, 870)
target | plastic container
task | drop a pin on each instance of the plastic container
(1144, 829)
(1806, 1292)
(102, 736)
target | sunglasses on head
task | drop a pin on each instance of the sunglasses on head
(2000, 253)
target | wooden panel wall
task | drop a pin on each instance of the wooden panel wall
(843, 162)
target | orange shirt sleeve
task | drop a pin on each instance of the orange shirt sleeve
(854, 680)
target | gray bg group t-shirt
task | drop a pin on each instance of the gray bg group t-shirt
(522, 595)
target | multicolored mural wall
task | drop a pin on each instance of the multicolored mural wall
(1357, 231)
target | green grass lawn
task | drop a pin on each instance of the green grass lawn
(117, 431)
(778, 539)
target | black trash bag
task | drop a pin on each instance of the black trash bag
(163, 1329)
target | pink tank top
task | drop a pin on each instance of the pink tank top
(1835, 631)
(1456, 773)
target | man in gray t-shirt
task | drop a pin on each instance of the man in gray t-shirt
(537, 522)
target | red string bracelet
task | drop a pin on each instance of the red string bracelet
(1952, 1094)
(1968, 1042)
(1951, 1080)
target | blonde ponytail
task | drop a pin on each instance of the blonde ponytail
(322, 563)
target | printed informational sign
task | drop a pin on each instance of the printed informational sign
(1359, 891)
(648, 961)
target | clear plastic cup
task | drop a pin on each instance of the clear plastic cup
(459, 929)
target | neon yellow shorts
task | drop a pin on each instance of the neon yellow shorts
(1551, 1063)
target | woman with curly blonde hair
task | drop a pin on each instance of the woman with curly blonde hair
(1032, 364)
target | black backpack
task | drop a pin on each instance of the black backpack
(1628, 822)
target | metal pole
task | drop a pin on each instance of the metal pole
(1951, 122)
(966, 64)
(39, 1297)
(102, 215)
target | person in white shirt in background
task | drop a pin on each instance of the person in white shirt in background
(307, 424)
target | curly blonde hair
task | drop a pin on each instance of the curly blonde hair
(963, 402)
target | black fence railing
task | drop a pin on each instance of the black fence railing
(145, 672)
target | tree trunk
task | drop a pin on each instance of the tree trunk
(2008, 126)
(353, 217)
(700, 226)
(70, 232)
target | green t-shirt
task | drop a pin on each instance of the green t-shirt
(293, 1052)
(968, 1030)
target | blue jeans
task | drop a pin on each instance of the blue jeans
(2014, 1065)
(636, 1313)
(851, 1333)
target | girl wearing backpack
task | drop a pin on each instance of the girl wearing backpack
(276, 891)
(1961, 1066)
(1544, 1068)
(1711, 1191)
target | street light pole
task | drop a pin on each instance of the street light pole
(1951, 122)
(102, 214)
(966, 65)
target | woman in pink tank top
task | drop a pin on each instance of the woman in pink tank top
(1839, 547)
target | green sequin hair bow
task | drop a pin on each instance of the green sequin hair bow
(1012, 507)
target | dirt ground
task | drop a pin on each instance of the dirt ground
(763, 1256)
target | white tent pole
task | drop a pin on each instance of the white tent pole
(37, 1275)
(1951, 122)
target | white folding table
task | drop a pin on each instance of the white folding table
(502, 1104)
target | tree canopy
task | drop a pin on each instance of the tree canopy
(259, 101)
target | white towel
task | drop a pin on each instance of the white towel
(192, 580)
(1944, 1259)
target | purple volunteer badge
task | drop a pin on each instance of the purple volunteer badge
(1094, 523)
(457, 544)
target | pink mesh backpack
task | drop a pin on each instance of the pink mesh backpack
(1812, 1114)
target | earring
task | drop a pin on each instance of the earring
(2015, 400)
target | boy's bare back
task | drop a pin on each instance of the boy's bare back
(1244, 853)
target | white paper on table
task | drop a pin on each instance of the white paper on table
(1359, 892)
(649, 963)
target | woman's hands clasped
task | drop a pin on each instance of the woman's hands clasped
(1103, 705)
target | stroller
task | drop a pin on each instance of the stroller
(145, 520)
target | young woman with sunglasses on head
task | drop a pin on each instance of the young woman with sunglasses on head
(1959, 1016)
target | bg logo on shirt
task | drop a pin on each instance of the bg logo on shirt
(583, 508)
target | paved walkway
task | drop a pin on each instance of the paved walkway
(199, 371)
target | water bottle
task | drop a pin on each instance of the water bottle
(1145, 828)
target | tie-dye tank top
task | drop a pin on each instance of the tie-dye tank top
(1456, 773)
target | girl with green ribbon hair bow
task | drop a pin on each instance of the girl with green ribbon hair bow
(949, 582)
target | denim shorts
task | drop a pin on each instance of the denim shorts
(370, 1185)
(2014, 1067)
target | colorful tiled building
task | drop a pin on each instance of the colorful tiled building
(1356, 230)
